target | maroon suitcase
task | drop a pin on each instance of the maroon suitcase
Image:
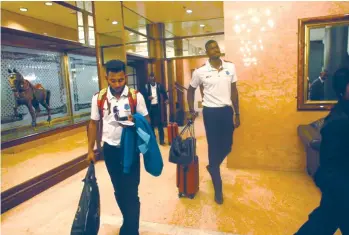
(172, 132)
(188, 179)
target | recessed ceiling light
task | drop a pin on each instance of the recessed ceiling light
(202, 25)
(131, 34)
(189, 11)
(23, 9)
(114, 22)
(48, 3)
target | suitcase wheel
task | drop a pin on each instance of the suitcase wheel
(180, 195)
(191, 196)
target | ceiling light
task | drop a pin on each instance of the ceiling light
(23, 9)
(237, 17)
(263, 29)
(114, 22)
(131, 34)
(202, 25)
(189, 11)
(48, 3)
(267, 12)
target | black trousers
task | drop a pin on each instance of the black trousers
(155, 117)
(333, 211)
(219, 126)
(125, 187)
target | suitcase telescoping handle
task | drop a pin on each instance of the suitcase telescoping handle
(190, 127)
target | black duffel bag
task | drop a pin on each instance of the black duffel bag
(182, 152)
(87, 217)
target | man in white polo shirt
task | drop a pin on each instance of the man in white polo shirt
(116, 105)
(218, 79)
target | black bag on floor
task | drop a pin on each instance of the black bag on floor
(87, 217)
(182, 152)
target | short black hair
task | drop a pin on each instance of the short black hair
(151, 74)
(340, 81)
(209, 42)
(115, 66)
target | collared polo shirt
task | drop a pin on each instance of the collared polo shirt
(217, 84)
(111, 130)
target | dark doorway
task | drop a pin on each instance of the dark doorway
(137, 71)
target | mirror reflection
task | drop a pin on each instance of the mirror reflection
(328, 51)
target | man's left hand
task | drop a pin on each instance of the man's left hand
(237, 121)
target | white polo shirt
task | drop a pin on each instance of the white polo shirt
(217, 85)
(111, 130)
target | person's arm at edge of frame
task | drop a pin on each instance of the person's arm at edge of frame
(235, 101)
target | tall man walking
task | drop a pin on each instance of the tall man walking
(218, 79)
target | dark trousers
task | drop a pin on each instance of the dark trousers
(125, 187)
(333, 211)
(219, 128)
(155, 117)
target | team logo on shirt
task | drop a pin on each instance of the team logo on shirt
(227, 72)
(127, 107)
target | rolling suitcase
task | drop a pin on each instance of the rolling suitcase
(188, 171)
(188, 179)
(172, 131)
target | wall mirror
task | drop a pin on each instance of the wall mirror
(323, 48)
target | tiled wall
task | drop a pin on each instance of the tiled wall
(268, 136)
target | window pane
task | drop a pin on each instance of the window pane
(191, 46)
(38, 67)
(80, 4)
(83, 82)
(90, 21)
(80, 19)
(130, 80)
(81, 34)
(88, 6)
(139, 49)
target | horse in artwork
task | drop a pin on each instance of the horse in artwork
(29, 95)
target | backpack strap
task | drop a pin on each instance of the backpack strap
(102, 97)
(132, 99)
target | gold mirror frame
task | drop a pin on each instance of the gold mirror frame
(304, 26)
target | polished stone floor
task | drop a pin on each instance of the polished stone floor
(257, 202)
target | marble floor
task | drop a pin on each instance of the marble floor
(257, 202)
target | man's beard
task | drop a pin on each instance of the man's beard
(116, 91)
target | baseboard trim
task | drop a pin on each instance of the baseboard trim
(26, 190)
